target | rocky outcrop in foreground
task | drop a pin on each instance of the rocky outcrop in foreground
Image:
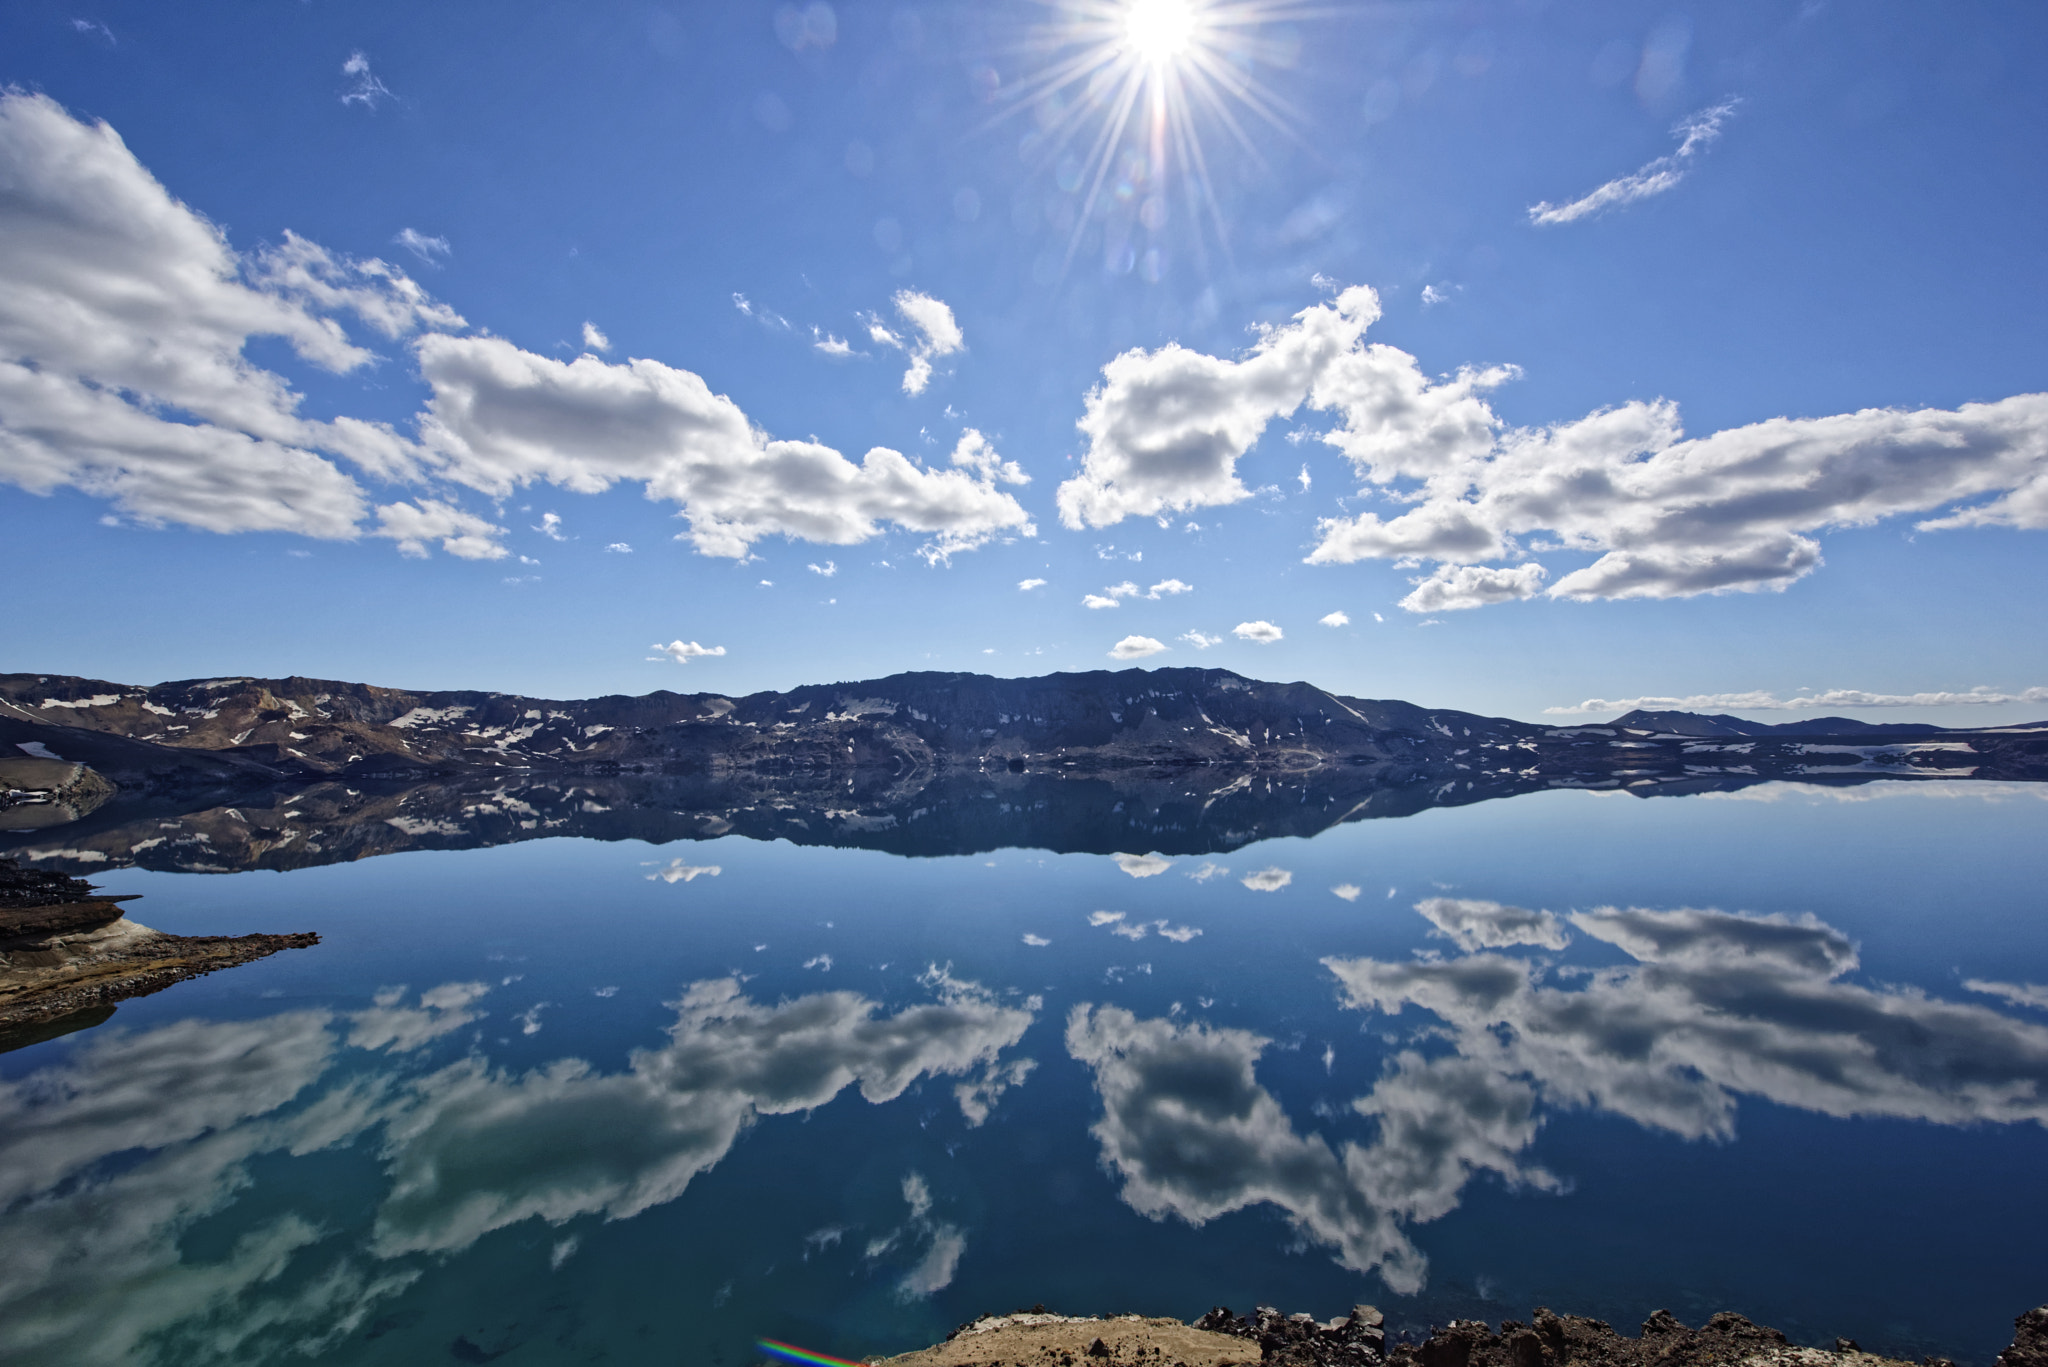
(1038, 1339)
(66, 949)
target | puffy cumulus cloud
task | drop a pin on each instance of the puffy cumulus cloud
(502, 417)
(1267, 880)
(1471, 924)
(473, 1149)
(97, 1267)
(1135, 648)
(124, 318)
(1191, 1133)
(682, 652)
(1026, 585)
(1264, 633)
(1696, 133)
(1166, 428)
(1451, 587)
(1661, 515)
(594, 339)
(120, 306)
(1719, 1005)
(932, 331)
(462, 534)
(1980, 696)
(1143, 865)
(1339, 618)
(1669, 517)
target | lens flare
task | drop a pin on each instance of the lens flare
(1120, 92)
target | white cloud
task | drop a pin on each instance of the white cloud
(1268, 879)
(1104, 918)
(1665, 516)
(1696, 132)
(1339, 618)
(432, 250)
(594, 340)
(933, 331)
(1036, 941)
(461, 534)
(1451, 587)
(1096, 600)
(1143, 865)
(836, 347)
(619, 548)
(502, 417)
(682, 652)
(1265, 633)
(1348, 891)
(827, 570)
(1166, 428)
(678, 871)
(1472, 924)
(1198, 640)
(363, 88)
(1026, 585)
(1207, 871)
(2018, 994)
(1135, 648)
(1759, 701)
(551, 527)
(118, 304)
(1167, 588)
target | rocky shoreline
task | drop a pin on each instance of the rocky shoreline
(66, 950)
(1039, 1339)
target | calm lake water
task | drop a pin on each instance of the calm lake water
(567, 1101)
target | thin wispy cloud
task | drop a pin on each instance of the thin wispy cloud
(1759, 701)
(364, 88)
(432, 250)
(1696, 133)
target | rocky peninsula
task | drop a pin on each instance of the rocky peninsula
(67, 953)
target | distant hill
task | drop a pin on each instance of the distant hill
(1721, 724)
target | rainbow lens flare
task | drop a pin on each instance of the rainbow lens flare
(789, 1352)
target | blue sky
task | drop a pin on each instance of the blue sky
(1570, 352)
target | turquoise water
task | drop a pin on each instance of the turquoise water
(1784, 1051)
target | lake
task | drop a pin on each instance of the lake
(1782, 1050)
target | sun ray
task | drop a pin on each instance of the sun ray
(1145, 76)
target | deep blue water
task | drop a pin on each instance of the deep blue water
(543, 1102)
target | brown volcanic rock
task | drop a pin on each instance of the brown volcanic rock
(1042, 1340)
(2030, 1341)
(73, 950)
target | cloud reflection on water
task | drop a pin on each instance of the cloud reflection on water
(109, 1160)
(1717, 1005)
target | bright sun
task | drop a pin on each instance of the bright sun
(1159, 30)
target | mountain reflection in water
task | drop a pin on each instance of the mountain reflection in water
(1190, 810)
(113, 1156)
